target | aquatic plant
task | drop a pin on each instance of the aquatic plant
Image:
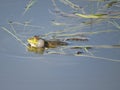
(78, 20)
(29, 5)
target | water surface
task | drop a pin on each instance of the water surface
(23, 70)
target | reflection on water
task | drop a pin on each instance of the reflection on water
(36, 50)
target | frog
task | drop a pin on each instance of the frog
(38, 42)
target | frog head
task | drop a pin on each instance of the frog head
(36, 42)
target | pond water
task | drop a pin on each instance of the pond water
(60, 68)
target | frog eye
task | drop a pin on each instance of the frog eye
(37, 37)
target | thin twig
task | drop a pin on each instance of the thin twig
(18, 39)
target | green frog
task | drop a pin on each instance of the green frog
(37, 44)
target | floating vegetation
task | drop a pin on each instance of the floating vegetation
(77, 39)
(18, 39)
(78, 26)
(92, 15)
(93, 46)
(72, 5)
(96, 16)
(110, 4)
(29, 5)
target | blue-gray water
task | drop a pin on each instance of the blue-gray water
(23, 70)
